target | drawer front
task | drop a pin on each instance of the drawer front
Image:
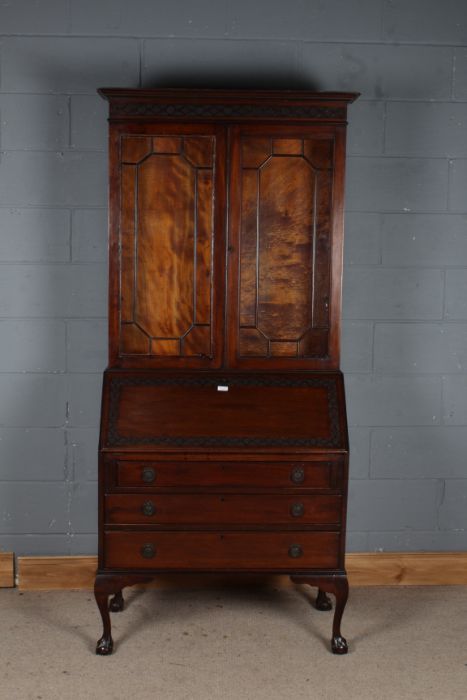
(225, 509)
(227, 550)
(318, 475)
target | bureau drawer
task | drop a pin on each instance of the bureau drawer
(316, 475)
(227, 550)
(225, 509)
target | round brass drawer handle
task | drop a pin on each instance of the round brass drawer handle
(298, 475)
(148, 551)
(295, 551)
(297, 510)
(148, 508)
(148, 475)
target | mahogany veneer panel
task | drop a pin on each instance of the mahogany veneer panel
(167, 245)
(190, 410)
(285, 246)
(166, 238)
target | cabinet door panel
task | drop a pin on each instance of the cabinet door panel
(171, 193)
(282, 238)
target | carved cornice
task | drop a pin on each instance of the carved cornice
(133, 108)
(114, 439)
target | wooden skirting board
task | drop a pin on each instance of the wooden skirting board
(7, 570)
(365, 569)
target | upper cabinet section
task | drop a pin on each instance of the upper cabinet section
(176, 159)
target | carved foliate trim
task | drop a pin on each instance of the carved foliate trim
(154, 109)
(114, 439)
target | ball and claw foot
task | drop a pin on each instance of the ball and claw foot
(116, 603)
(339, 645)
(323, 602)
(104, 646)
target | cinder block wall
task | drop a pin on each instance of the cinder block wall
(405, 287)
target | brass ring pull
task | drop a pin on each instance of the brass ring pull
(297, 510)
(148, 508)
(148, 475)
(298, 475)
(295, 551)
(148, 551)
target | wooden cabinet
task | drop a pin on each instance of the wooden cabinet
(223, 435)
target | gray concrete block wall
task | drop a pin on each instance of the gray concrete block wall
(405, 279)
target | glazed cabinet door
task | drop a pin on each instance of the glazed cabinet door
(167, 245)
(285, 237)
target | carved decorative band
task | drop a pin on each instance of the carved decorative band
(229, 380)
(151, 109)
(114, 439)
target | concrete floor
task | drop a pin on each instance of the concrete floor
(252, 643)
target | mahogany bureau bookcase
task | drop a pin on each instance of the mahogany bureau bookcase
(223, 444)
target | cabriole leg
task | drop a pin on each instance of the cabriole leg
(338, 643)
(339, 587)
(104, 586)
(105, 643)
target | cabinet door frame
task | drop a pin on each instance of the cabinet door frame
(291, 131)
(148, 129)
